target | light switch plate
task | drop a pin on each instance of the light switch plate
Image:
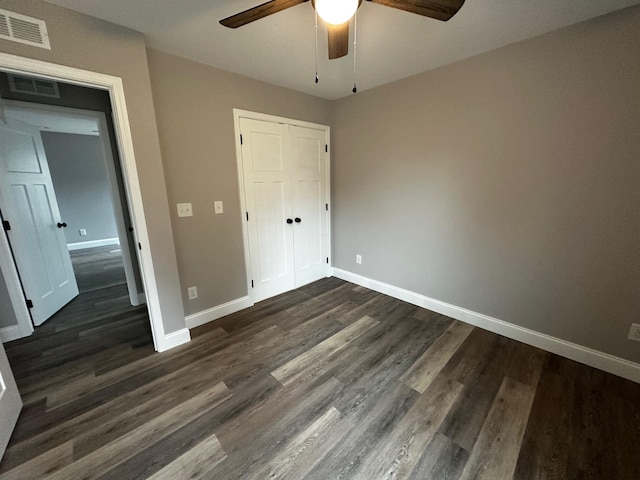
(217, 207)
(185, 210)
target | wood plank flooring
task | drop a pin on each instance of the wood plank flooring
(330, 381)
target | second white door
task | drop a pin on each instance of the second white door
(28, 204)
(285, 170)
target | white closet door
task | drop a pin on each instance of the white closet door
(37, 238)
(311, 227)
(265, 159)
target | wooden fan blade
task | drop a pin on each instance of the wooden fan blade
(338, 40)
(261, 11)
(438, 9)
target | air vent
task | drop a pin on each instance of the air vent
(23, 29)
(33, 86)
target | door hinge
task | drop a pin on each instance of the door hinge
(247, 216)
(139, 246)
(326, 207)
(327, 260)
(326, 148)
(241, 143)
(251, 283)
(6, 225)
(29, 304)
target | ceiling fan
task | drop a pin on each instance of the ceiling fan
(337, 13)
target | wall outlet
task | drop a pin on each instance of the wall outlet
(185, 210)
(634, 332)
(83, 232)
(217, 207)
(359, 259)
(193, 293)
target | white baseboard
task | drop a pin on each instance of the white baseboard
(594, 358)
(220, 311)
(7, 334)
(174, 339)
(93, 243)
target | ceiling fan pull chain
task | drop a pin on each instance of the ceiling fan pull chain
(317, 79)
(355, 50)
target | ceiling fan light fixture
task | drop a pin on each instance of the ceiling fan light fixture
(336, 12)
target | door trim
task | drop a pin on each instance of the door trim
(237, 115)
(113, 85)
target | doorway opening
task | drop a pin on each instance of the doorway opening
(113, 85)
(70, 240)
(61, 168)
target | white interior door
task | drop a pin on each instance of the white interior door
(28, 203)
(265, 154)
(10, 401)
(285, 171)
(311, 229)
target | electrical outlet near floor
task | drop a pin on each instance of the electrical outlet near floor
(359, 259)
(193, 292)
(83, 232)
(634, 332)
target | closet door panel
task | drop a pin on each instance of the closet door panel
(268, 195)
(309, 176)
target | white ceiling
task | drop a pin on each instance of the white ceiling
(53, 123)
(392, 44)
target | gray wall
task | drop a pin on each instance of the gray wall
(7, 317)
(91, 44)
(507, 184)
(82, 187)
(194, 105)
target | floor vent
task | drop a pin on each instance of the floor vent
(33, 86)
(23, 29)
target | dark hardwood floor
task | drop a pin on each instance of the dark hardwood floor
(330, 381)
(98, 268)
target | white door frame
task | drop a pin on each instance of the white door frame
(110, 166)
(237, 115)
(113, 85)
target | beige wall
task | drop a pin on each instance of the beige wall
(507, 184)
(83, 42)
(83, 191)
(194, 105)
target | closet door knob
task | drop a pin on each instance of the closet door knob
(289, 221)
(298, 220)
(62, 225)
